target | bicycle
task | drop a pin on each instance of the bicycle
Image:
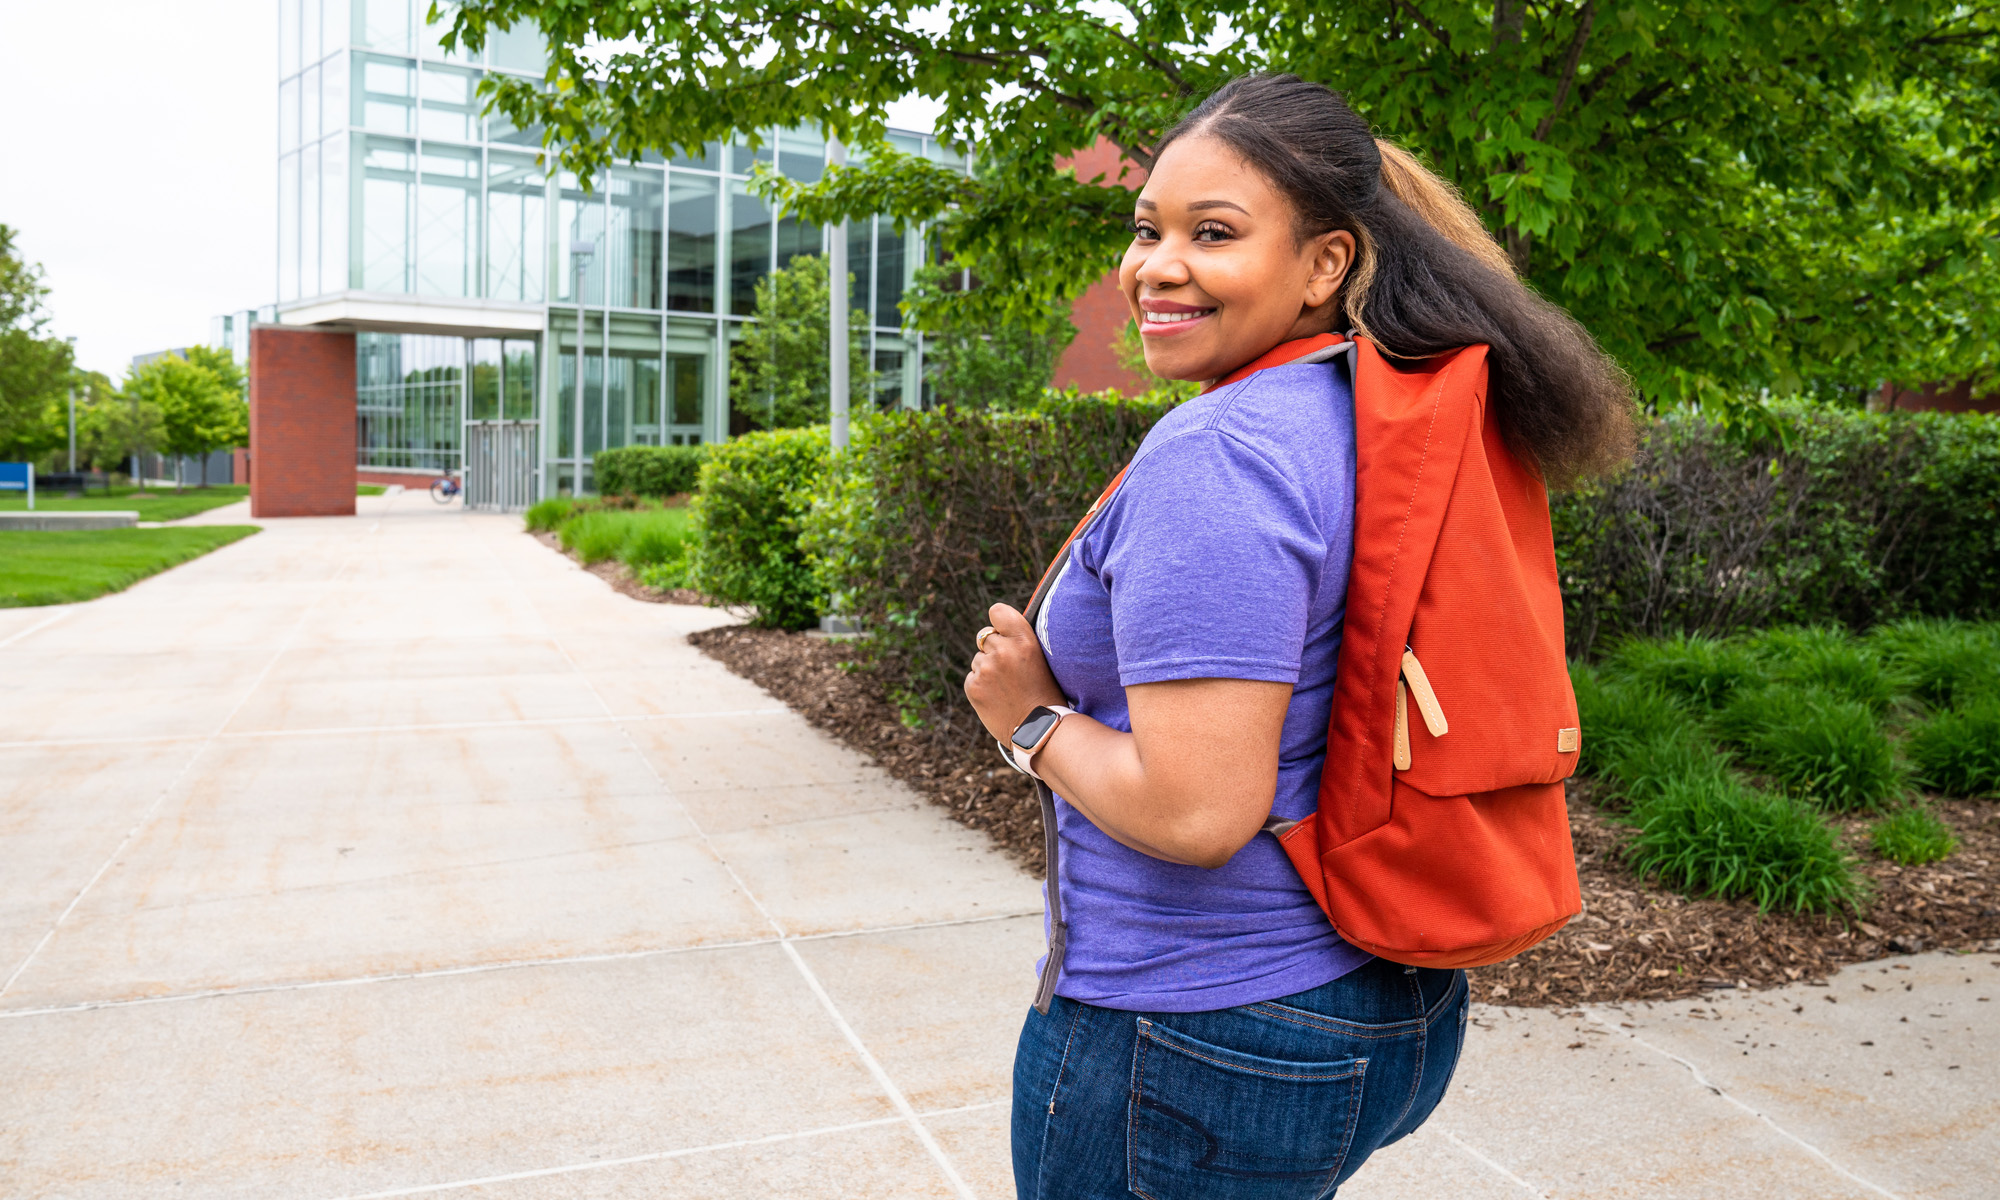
(446, 489)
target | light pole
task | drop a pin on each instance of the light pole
(836, 277)
(580, 253)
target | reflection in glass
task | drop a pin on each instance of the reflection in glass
(333, 223)
(515, 234)
(288, 38)
(288, 227)
(434, 32)
(742, 157)
(518, 400)
(801, 154)
(484, 402)
(518, 49)
(861, 263)
(388, 187)
(710, 158)
(309, 33)
(384, 93)
(632, 237)
(562, 328)
(691, 243)
(448, 222)
(889, 267)
(383, 24)
(796, 237)
(450, 104)
(309, 221)
(410, 387)
(687, 382)
(333, 113)
(749, 248)
(888, 379)
(500, 129)
(579, 219)
(309, 129)
(288, 115)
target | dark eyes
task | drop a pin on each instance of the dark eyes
(1210, 232)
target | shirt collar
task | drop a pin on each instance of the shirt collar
(1319, 345)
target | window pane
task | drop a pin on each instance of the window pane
(309, 33)
(632, 240)
(383, 24)
(309, 221)
(861, 264)
(388, 186)
(749, 248)
(801, 154)
(288, 227)
(691, 243)
(500, 129)
(384, 93)
(562, 326)
(333, 93)
(889, 246)
(448, 222)
(580, 219)
(687, 377)
(333, 193)
(516, 236)
(410, 388)
(288, 38)
(908, 143)
(938, 152)
(434, 32)
(888, 378)
(710, 158)
(632, 380)
(288, 115)
(484, 400)
(309, 105)
(336, 24)
(795, 238)
(742, 157)
(518, 49)
(450, 107)
(518, 396)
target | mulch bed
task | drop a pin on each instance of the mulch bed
(1634, 941)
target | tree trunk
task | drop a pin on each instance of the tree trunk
(204, 471)
(1509, 17)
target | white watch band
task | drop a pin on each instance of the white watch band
(1024, 760)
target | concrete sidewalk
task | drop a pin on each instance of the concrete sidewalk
(395, 855)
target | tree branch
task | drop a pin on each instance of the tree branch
(1588, 15)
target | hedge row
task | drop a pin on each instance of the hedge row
(652, 471)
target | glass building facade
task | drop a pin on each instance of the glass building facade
(435, 233)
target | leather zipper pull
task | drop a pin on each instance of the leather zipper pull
(1427, 701)
(1402, 727)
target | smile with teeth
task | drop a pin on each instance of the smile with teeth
(1171, 318)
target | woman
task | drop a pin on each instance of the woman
(1211, 1035)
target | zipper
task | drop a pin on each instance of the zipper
(1413, 682)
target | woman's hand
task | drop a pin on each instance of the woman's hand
(1009, 674)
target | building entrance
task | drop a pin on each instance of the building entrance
(501, 460)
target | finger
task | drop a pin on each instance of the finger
(1008, 621)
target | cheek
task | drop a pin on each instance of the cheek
(1128, 276)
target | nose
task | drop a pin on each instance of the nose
(1164, 266)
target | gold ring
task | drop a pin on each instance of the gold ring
(979, 639)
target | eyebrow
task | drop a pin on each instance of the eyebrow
(1200, 206)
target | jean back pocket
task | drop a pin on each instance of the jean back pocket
(1217, 1124)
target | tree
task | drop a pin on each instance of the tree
(112, 427)
(778, 377)
(985, 365)
(34, 368)
(199, 411)
(1733, 198)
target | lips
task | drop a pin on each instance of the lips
(1161, 317)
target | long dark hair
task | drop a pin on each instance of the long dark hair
(1417, 289)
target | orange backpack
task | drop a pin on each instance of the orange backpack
(1441, 837)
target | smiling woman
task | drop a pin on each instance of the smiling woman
(1203, 1029)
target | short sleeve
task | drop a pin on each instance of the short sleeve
(1211, 558)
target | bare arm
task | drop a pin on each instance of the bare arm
(1192, 783)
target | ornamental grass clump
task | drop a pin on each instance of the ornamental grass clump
(1620, 716)
(1827, 657)
(1704, 672)
(1958, 751)
(636, 537)
(1712, 835)
(1912, 837)
(1816, 744)
(1944, 662)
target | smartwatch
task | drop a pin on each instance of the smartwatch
(1034, 733)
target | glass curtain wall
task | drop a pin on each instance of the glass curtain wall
(414, 392)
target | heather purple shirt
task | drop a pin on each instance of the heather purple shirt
(1223, 555)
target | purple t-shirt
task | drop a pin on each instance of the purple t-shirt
(1223, 555)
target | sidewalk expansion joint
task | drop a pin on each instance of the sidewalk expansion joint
(406, 727)
(1495, 1167)
(1613, 1027)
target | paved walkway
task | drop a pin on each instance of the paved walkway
(397, 856)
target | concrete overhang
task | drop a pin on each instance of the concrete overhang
(384, 312)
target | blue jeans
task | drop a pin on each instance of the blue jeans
(1269, 1101)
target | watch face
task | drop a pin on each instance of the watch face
(1035, 728)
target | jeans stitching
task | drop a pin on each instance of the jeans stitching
(1280, 1012)
(1048, 1115)
(1423, 1049)
(1347, 1141)
(1230, 1066)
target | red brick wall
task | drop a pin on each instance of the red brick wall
(1091, 361)
(301, 422)
(1957, 398)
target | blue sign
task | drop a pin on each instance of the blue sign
(17, 477)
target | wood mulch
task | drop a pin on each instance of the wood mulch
(1634, 941)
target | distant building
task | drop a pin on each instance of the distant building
(433, 234)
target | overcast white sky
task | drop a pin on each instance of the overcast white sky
(138, 163)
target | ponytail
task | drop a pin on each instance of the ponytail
(1427, 277)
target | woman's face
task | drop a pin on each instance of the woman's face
(1216, 274)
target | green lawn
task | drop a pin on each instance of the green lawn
(369, 489)
(62, 567)
(153, 504)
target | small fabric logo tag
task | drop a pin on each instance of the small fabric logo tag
(1568, 740)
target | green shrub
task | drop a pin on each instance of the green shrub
(1703, 671)
(933, 516)
(548, 516)
(1912, 837)
(1958, 751)
(1943, 661)
(1827, 657)
(751, 497)
(652, 471)
(1865, 517)
(1619, 716)
(1713, 836)
(1648, 767)
(1817, 744)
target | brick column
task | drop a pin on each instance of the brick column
(301, 422)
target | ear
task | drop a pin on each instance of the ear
(1332, 256)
